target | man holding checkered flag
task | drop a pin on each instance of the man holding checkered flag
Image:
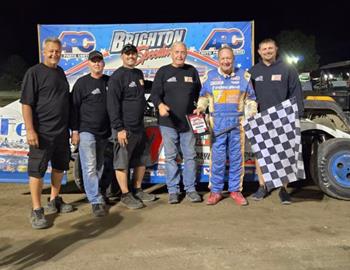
(275, 132)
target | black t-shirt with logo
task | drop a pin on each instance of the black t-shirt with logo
(178, 88)
(46, 90)
(89, 106)
(126, 99)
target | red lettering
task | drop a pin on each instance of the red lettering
(146, 54)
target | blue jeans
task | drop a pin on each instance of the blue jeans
(171, 138)
(91, 151)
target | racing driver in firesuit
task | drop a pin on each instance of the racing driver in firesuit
(230, 96)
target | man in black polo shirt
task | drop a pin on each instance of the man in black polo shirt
(126, 104)
(45, 109)
(175, 89)
(90, 125)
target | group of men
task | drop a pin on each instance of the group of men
(101, 106)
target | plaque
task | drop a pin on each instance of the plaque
(197, 124)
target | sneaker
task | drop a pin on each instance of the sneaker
(144, 196)
(173, 198)
(284, 196)
(107, 200)
(58, 205)
(193, 196)
(214, 198)
(130, 201)
(98, 210)
(238, 198)
(38, 220)
(260, 194)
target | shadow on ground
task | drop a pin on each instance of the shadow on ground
(42, 250)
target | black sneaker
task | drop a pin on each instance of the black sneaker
(58, 205)
(260, 194)
(130, 201)
(173, 198)
(98, 210)
(144, 196)
(193, 196)
(107, 200)
(284, 196)
(38, 220)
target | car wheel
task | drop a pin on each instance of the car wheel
(333, 162)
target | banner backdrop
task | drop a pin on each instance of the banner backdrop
(153, 42)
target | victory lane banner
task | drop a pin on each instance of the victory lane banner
(153, 42)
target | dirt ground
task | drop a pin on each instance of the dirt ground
(313, 233)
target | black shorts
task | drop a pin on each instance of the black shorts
(133, 155)
(57, 151)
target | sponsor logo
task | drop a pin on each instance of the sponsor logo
(12, 126)
(171, 79)
(188, 79)
(276, 77)
(96, 91)
(213, 83)
(132, 84)
(152, 39)
(76, 44)
(259, 78)
(150, 45)
(220, 37)
(226, 96)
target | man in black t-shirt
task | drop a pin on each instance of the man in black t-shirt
(90, 125)
(175, 89)
(126, 104)
(45, 97)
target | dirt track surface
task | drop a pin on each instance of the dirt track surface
(313, 233)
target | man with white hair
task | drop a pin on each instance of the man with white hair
(175, 89)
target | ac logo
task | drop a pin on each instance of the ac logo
(74, 42)
(232, 37)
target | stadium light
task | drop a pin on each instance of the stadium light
(292, 60)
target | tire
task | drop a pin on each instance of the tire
(77, 173)
(333, 163)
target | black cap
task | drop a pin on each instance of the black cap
(95, 54)
(129, 48)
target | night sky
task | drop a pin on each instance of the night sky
(329, 22)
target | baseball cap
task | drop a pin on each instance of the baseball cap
(95, 54)
(129, 48)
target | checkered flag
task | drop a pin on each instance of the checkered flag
(275, 139)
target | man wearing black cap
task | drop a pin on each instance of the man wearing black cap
(126, 104)
(91, 129)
